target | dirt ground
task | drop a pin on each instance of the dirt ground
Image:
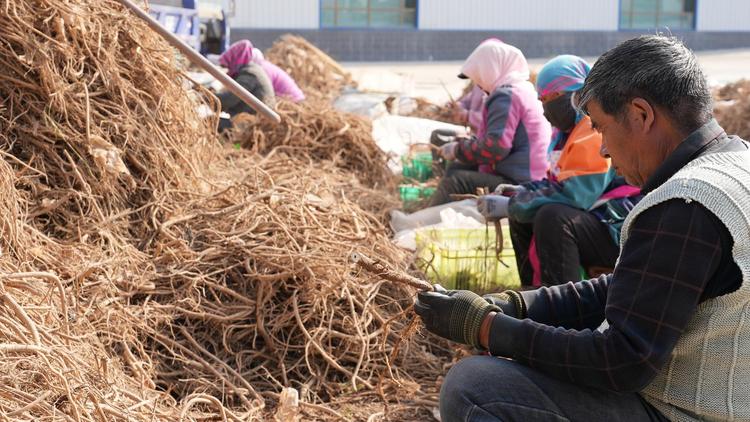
(434, 80)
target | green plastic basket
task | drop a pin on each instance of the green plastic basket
(414, 193)
(466, 259)
(417, 166)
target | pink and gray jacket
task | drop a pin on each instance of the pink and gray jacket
(515, 134)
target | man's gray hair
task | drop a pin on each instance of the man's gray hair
(657, 68)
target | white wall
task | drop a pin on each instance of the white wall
(277, 14)
(521, 14)
(723, 15)
(601, 15)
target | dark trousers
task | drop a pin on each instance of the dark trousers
(486, 388)
(458, 178)
(463, 179)
(566, 238)
(224, 124)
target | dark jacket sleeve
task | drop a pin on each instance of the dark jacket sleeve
(672, 252)
(578, 192)
(573, 305)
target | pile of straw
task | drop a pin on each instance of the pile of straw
(316, 73)
(443, 113)
(732, 108)
(148, 273)
(447, 112)
(315, 130)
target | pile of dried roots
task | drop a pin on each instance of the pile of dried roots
(447, 112)
(442, 113)
(314, 129)
(316, 73)
(149, 273)
(732, 108)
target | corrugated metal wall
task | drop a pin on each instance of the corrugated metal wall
(521, 15)
(723, 15)
(277, 14)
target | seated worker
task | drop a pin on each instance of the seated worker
(666, 335)
(469, 111)
(513, 143)
(284, 85)
(238, 60)
(572, 218)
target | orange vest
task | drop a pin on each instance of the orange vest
(580, 155)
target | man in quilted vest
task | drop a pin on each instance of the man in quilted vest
(666, 336)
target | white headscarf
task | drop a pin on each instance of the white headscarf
(257, 56)
(494, 63)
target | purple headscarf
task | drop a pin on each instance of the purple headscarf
(237, 56)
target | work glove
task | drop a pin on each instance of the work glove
(456, 314)
(448, 151)
(493, 207)
(510, 301)
(508, 190)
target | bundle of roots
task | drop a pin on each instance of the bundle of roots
(316, 73)
(442, 113)
(315, 130)
(732, 108)
(150, 273)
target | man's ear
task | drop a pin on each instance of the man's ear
(642, 115)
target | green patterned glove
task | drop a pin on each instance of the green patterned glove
(510, 301)
(456, 314)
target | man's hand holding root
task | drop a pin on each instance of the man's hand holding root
(457, 315)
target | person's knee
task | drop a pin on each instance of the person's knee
(456, 392)
(491, 388)
(440, 137)
(552, 220)
(467, 383)
(452, 181)
(461, 376)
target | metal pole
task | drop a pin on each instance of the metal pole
(202, 62)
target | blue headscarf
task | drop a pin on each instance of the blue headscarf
(565, 73)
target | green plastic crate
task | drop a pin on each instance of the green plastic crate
(466, 259)
(414, 193)
(417, 166)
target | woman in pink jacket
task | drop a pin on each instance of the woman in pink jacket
(283, 84)
(512, 147)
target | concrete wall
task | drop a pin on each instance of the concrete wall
(529, 15)
(723, 15)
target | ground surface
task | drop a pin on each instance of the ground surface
(433, 80)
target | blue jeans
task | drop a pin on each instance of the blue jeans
(485, 388)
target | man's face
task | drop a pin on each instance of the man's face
(620, 143)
